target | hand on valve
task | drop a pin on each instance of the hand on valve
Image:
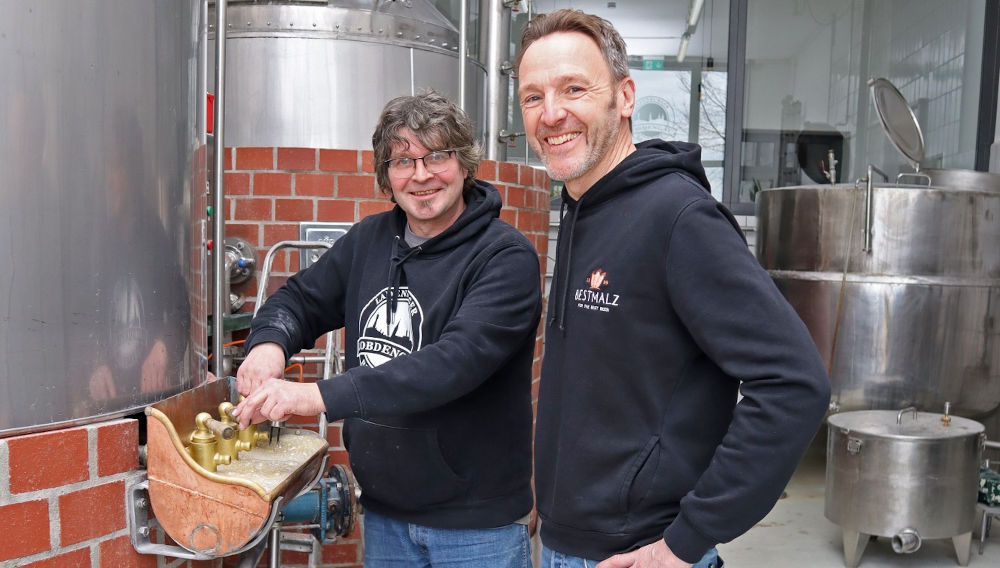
(268, 396)
(277, 400)
(264, 361)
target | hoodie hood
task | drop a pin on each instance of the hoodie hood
(651, 160)
(482, 205)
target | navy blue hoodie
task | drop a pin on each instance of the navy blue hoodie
(658, 316)
(437, 394)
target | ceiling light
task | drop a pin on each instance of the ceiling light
(683, 49)
(695, 12)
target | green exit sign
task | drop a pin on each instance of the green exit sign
(652, 64)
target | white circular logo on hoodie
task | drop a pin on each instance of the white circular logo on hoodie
(387, 334)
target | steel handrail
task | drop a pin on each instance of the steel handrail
(331, 363)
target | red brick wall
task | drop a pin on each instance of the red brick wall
(62, 497)
(270, 190)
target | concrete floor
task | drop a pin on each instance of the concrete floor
(797, 534)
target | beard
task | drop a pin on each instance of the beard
(600, 137)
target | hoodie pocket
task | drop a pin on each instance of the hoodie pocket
(402, 468)
(640, 476)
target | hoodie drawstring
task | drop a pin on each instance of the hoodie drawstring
(562, 295)
(395, 268)
(553, 312)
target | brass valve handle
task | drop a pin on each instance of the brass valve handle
(224, 431)
(226, 412)
(221, 429)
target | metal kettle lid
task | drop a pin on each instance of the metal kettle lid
(905, 424)
(898, 120)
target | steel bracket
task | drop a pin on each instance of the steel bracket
(141, 526)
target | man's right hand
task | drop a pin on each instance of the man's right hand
(264, 361)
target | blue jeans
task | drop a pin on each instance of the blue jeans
(395, 544)
(553, 559)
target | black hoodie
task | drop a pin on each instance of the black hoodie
(657, 312)
(437, 396)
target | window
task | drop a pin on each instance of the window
(787, 80)
(806, 112)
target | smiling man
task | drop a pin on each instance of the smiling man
(440, 302)
(658, 317)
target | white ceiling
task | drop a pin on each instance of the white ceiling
(654, 27)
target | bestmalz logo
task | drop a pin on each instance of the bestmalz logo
(597, 279)
(592, 298)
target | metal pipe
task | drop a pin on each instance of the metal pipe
(274, 546)
(498, 18)
(463, 50)
(220, 296)
(250, 558)
(869, 199)
(906, 542)
(265, 271)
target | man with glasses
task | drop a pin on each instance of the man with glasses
(440, 302)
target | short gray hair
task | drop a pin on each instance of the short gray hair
(595, 27)
(436, 122)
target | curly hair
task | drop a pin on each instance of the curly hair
(436, 122)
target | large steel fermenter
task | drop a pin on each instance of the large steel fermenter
(898, 284)
(101, 164)
(309, 74)
(911, 319)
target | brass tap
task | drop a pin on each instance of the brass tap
(250, 435)
(203, 441)
(232, 446)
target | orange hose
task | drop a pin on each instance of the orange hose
(301, 369)
(230, 344)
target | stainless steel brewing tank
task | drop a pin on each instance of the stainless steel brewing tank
(913, 321)
(316, 75)
(902, 474)
(100, 147)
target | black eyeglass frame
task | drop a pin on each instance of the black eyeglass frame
(449, 152)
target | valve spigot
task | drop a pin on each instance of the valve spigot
(946, 419)
(203, 441)
(230, 446)
(249, 436)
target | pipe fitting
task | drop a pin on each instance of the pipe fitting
(230, 446)
(906, 542)
(203, 441)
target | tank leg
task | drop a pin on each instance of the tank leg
(963, 545)
(854, 546)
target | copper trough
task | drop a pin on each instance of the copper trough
(224, 501)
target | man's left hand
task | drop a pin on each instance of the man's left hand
(278, 399)
(655, 555)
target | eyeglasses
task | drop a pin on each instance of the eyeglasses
(434, 162)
